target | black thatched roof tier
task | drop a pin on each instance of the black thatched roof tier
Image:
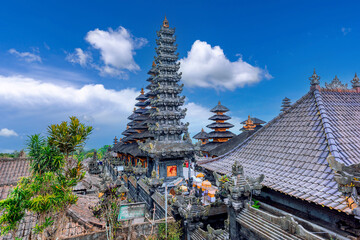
(142, 104)
(141, 97)
(255, 120)
(230, 144)
(219, 108)
(132, 123)
(141, 110)
(201, 135)
(127, 138)
(220, 125)
(131, 117)
(140, 117)
(225, 134)
(150, 94)
(139, 126)
(220, 117)
(128, 132)
(210, 146)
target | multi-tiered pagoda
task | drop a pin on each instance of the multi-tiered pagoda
(220, 133)
(171, 144)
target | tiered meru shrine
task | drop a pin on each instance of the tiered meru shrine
(296, 177)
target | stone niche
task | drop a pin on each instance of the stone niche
(171, 169)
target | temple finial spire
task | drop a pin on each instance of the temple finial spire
(142, 91)
(249, 124)
(314, 79)
(165, 23)
(219, 103)
(355, 82)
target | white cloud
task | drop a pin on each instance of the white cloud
(197, 115)
(26, 56)
(117, 50)
(4, 132)
(345, 30)
(80, 57)
(93, 102)
(207, 66)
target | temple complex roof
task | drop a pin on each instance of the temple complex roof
(255, 120)
(230, 144)
(292, 149)
(219, 108)
(201, 135)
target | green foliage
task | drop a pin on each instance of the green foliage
(101, 151)
(108, 208)
(224, 179)
(173, 231)
(40, 228)
(68, 137)
(13, 210)
(256, 204)
(45, 157)
(14, 154)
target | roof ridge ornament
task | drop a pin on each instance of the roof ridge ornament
(165, 23)
(249, 124)
(355, 82)
(336, 84)
(314, 79)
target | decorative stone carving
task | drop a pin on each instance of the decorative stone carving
(139, 170)
(336, 84)
(348, 179)
(212, 234)
(235, 192)
(314, 79)
(93, 165)
(355, 82)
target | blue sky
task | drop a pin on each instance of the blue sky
(90, 58)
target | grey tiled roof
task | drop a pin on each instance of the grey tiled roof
(291, 150)
(342, 110)
(12, 169)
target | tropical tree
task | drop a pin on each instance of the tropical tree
(44, 157)
(47, 192)
(68, 137)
